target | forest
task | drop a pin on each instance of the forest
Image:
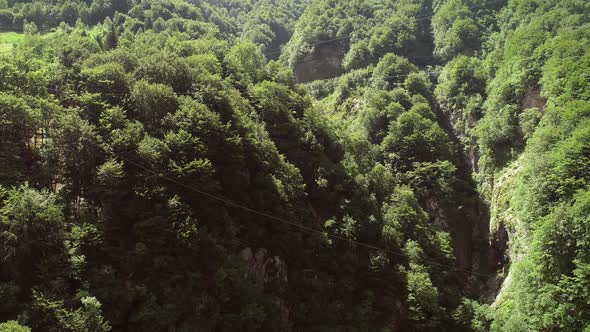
(294, 165)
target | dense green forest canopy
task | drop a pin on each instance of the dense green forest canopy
(163, 167)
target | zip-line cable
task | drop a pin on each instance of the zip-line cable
(295, 224)
(46, 28)
(419, 18)
(392, 76)
(279, 219)
(51, 90)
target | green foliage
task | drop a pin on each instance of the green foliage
(391, 69)
(455, 29)
(122, 126)
(403, 217)
(12, 326)
(546, 193)
(52, 315)
(462, 77)
(413, 138)
(473, 315)
(459, 26)
(151, 102)
(423, 297)
(9, 292)
(8, 39)
(32, 224)
(75, 151)
(110, 173)
(19, 122)
(360, 31)
(247, 62)
(528, 121)
(558, 268)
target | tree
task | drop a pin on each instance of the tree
(18, 125)
(423, 298)
(109, 80)
(403, 218)
(111, 37)
(151, 102)
(30, 29)
(390, 69)
(159, 25)
(6, 16)
(32, 228)
(189, 157)
(247, 63)
(54, 316)
(395, 36)
(13, 326)
(455, 29)
(111, 174)
(474, 315)
(174, 72)
(74, 151)
(69, 13)
(413, 138)
(358, 56)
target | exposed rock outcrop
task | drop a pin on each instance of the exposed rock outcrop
(324, 62)
(533, 99)
(504, 225)
(270, 274)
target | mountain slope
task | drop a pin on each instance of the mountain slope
(160, 171)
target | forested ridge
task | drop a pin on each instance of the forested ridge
(294, 165)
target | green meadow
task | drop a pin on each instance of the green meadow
(8, 39)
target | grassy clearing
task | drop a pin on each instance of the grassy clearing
(8, 39)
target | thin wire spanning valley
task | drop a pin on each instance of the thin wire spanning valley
(293, 223)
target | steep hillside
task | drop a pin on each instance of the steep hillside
(276, 165)
(333, 37)
(535, 118)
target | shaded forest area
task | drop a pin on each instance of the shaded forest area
(307, 165)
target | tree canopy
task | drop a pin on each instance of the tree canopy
(165, 165)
